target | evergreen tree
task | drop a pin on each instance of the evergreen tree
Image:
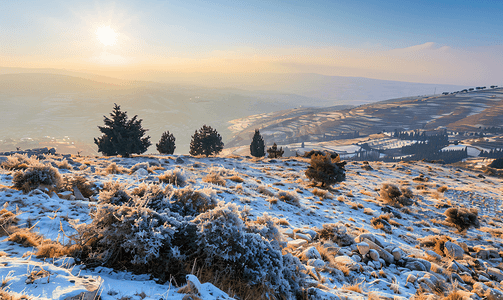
(274, 152)
(257, 146)
(206, 141)
(122, 136)
(166, 144)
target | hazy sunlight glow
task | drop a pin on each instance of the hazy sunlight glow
(106, 35)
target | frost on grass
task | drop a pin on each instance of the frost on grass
(18, 162)
(176, 177)
(187, 201)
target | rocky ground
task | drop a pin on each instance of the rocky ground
(356, 240)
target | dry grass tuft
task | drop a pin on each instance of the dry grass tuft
(236, 178)
(37, 175)
(64, 164)
(442, 189)
(214, 178)
(18, 162)
(7, 220)
(51, 249)
(264, 190)
(176, 177)
(113, 168)
(87, 188)
(355, 287)
(25, 237)
(323, 194)
(437, 242)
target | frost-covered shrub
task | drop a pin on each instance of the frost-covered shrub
(335, 232)
(395, 196)
(35, 176)
(127, 235)
(289, 197)
(214, 178)
(227, 244)
(151, 196)
(19, 162)
(462, 218)
(114, 193)
(176, 177)
(87, 188)
(136, 167)
(190, 202)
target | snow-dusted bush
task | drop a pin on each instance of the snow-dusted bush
(19, 162)
(335, 232)
(114, 193)
(86, 187)
(462, 218)
(290, 197)
(227, 244)
(113, 168)
(151, 196)
(126, 235)
(37, 175)
(190, 202)
(395, 196)
(176, 177)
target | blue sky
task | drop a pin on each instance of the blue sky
(335, 37)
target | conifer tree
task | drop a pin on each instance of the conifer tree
(122, 136)
(257, 146)
(166, 144)
(274, 152)
(207, 141)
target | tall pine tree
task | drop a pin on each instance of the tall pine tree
(122, 136)
(257, 146)
(207, 141)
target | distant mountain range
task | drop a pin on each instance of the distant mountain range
(35, 103)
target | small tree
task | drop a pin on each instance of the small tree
(326, 170)
(166, 144)
(122, 136)
(257, 146)
(274, 152)
(206, 141)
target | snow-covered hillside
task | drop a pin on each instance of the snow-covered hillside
(351, 241)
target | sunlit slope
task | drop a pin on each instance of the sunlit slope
(459, 112)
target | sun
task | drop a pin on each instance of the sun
(106, 35)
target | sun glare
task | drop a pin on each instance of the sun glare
(106, 35)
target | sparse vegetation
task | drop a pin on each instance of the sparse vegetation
(176, 177)
(397, 197)
(462, 218)
(274, 152)
(36, 176)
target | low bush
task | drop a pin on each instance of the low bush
(18, 162)
(462, 218)
(190, 202)
(176, 177)
(7, 219)
(397, 197)
(335, 232)
(326, 170)
(289, 197)
(114, 193)
(35, 176)
(214, 178)
(437, 242)
(87, 188)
